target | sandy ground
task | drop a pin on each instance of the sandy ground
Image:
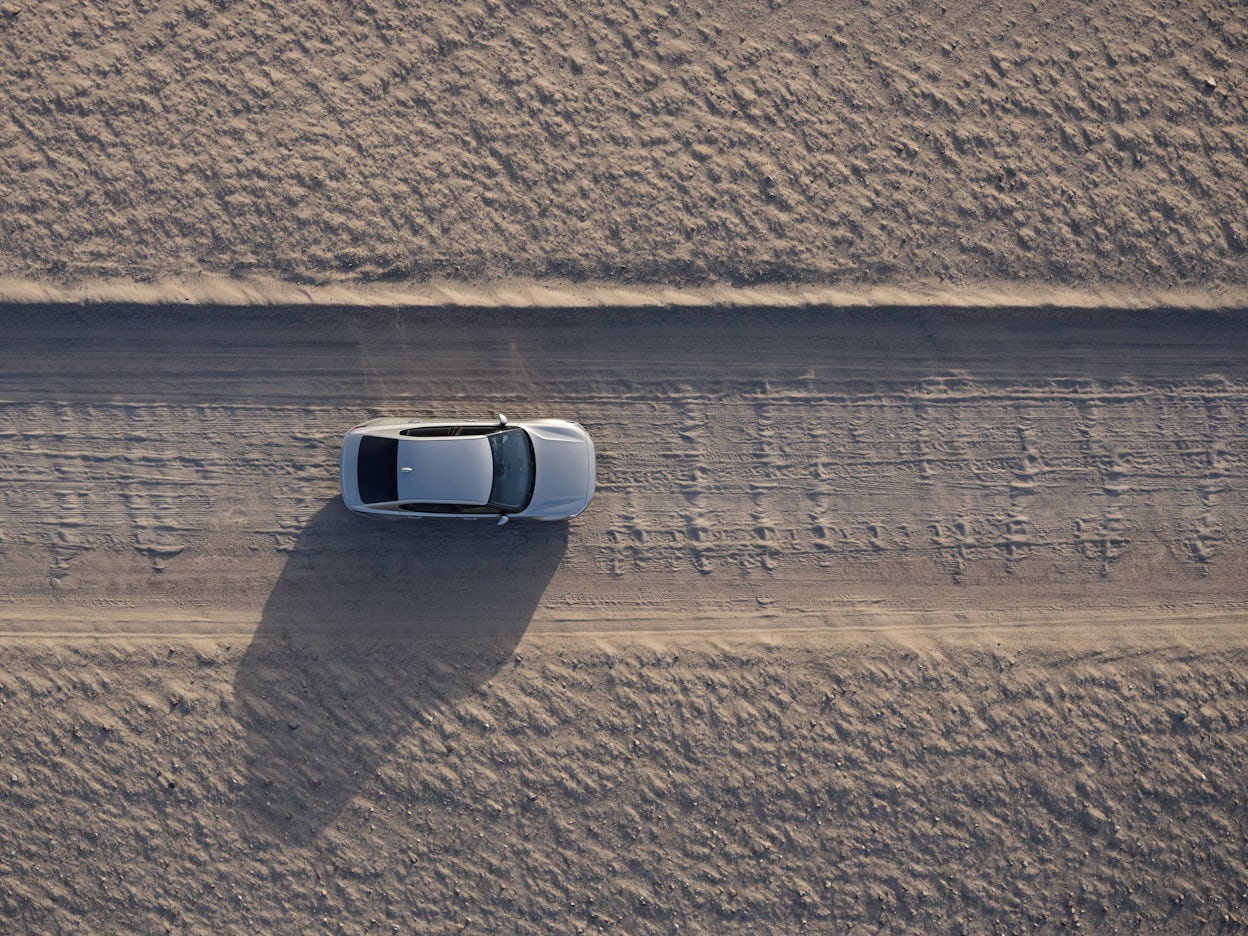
(912, 596)
(676, 142)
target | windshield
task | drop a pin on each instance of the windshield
(513, 469)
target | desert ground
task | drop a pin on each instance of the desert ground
(914, 342)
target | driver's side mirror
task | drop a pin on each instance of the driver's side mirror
(502, 420)
(502, 519)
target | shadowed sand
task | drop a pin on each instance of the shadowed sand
(371, 630)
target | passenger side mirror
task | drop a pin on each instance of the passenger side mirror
(502, 519)
(502, 420)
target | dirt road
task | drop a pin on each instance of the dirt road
(176, 468)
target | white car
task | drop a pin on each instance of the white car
(534, 469)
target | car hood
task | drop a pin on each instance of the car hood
(454, 470)
(565, 470)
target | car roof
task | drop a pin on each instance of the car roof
(446, 470)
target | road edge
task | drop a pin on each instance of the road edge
(548, 294)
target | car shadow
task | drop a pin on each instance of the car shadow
(371, 628)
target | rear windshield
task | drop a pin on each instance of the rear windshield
(377, 471)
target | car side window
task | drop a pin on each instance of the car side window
(454, 509)
(433, 432)
(428, 432)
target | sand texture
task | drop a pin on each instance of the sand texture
(914, 342)
(347, 785)
(672, 142)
